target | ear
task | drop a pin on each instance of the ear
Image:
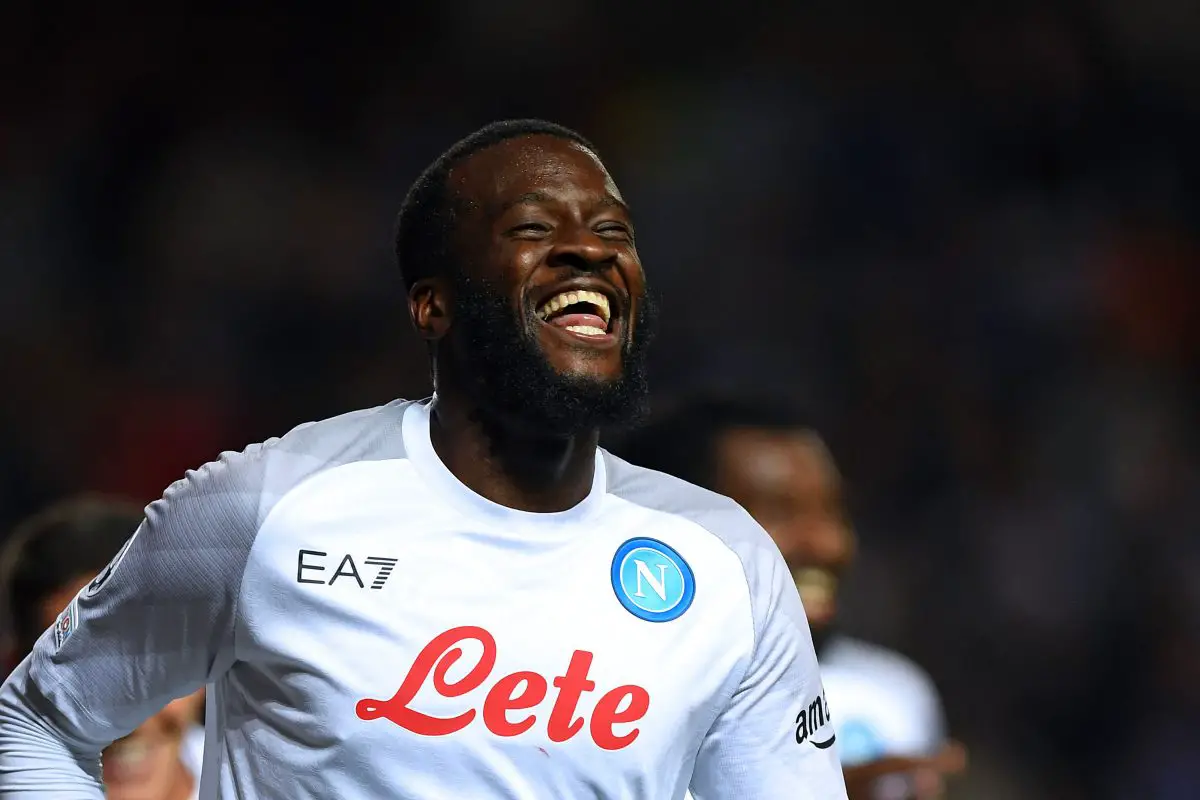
(429, 304)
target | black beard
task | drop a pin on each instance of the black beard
(512, 381)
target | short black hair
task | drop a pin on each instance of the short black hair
(683, 441)
(426, 217)
(72, 538)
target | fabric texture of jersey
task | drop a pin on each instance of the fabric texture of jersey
(368, 627)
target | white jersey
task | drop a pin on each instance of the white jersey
(368, 627)
(883, 704)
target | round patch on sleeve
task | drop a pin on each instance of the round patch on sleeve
(101, 579)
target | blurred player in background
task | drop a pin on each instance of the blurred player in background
(45, 563)
(885, 709)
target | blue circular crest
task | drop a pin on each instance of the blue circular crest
(652, 581)
(859, 742)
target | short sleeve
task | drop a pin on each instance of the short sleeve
(775, 738)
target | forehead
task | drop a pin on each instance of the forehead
(527, 164)
(767, 457)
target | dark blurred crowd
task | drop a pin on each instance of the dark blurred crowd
(966, 241)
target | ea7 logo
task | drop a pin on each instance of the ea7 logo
(313, 562)
(811, 720)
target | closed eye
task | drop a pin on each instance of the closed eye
(619, 229)
(529, 228)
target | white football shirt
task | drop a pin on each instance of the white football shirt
(368, 627)
(883, 704)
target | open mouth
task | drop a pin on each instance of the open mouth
(583, 312)
(818, 592)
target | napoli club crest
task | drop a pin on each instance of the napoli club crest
(652, 581)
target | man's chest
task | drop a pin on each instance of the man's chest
(621, 638)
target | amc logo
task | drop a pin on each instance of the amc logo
(508, 696)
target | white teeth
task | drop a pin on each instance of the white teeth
(564, 299)
(815, 585)
(586, 330)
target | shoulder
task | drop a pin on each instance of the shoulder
(881, 665)
(366, 434)
(885, 702)
(235, 491)
(758, 557)
(716, 513)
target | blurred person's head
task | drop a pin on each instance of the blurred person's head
(767, 458)
(50, 558)
(518, 255)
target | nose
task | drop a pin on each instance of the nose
(833, 542)
(582, 249)
(823, 543)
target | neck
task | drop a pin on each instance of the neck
(507, 464)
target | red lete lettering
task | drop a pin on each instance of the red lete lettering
(517, 692)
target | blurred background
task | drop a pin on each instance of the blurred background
(967, 240)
